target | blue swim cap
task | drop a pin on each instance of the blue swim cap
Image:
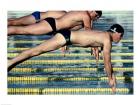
(117, 28)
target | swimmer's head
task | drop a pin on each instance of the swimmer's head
(116, 28)
(95, 14)
(117, 31)
(99, 14)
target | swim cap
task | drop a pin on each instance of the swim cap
(99, 13)
(117, 28)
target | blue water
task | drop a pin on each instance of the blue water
(109, 17)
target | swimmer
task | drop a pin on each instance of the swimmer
(73, 20)
(35, 17)
(82, 38)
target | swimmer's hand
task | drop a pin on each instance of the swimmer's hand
(95, 52)
(112, 83)
(64, 50)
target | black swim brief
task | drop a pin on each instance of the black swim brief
(52, 23)
(66, 33)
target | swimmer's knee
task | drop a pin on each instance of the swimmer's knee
(28, 30)
(32, 32)
(31, 53)
(35, 53)
(16, 30)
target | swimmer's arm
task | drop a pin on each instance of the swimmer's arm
(92, 26)
(108, 66)
(95, 52)
(107, 60)
(77, 28)
(87, 23)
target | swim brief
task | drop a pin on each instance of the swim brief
(52, 23)
(66, 33)
(36, 15)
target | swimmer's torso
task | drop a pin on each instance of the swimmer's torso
(54, 14)
(71, 19)
(88, 38)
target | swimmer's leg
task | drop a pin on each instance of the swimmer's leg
(52, 44)
(25, 20)
(41, 27)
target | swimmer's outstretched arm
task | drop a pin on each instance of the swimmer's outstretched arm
(52, 44)
(108, 66)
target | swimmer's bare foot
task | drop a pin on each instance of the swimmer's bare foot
(8, 65)
(112, 83)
